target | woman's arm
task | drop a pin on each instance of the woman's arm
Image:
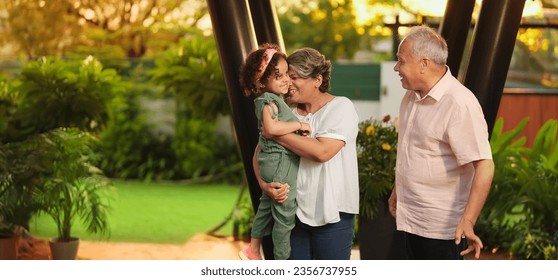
(319, 149)
(335, 126)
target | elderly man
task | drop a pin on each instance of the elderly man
(444, 162)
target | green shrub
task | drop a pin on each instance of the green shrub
(191, 73)
(243, 218)
(7, 105)
(24, 167)
(376, 153)
(56, 93)
(50, 95)
(203, 152)
(129, 148)
(521, 211)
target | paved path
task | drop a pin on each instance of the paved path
(200, 247)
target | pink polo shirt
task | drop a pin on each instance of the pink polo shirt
(440, 136)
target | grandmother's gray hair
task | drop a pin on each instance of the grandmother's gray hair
(309, 63)
(427, 43)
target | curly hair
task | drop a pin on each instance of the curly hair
(251, 66)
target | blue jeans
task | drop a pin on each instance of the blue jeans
(327, 242)
(422, 248)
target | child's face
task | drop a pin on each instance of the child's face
(279, 81)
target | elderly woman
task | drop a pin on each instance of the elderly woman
(327, 185)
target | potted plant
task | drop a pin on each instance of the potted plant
(15, 209)
(45, 166)
(8, 238)
(21, 171)
(8, 247)
(377, 152)
(75, 190)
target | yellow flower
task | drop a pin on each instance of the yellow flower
(386, 147)
(370, 130)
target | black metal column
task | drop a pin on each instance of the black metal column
(266, 22)
(455, 27)
(493, 42)
(235, 37)
(266, 25)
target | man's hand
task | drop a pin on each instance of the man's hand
(474, 243)
(392, 203)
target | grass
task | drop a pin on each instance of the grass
(157, 213)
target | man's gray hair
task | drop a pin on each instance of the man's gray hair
(427, 43)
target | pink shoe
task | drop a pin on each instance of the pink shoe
(248, 255)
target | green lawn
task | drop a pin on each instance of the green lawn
(157, 213)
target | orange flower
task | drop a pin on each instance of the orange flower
(386, 147)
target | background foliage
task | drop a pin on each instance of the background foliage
(132, 28)
(376, 152)
(86, 65)
(520, 214)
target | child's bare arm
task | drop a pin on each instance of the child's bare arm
(273, 127)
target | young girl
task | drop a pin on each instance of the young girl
(264, 77)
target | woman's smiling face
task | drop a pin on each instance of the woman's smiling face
(301, 89)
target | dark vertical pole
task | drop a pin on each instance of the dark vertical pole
(395, 37)
(493, 42)
(266, 22)
(266, 25)
(235, 37)
(232, 28)
(455, 28)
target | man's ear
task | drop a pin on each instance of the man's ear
(424, 64)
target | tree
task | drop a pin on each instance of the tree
(133, 24)
(114, 28)
(326, 25)
(37, 27)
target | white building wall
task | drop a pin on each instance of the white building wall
(391, 90)
(390, 96)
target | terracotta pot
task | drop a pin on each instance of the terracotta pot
(64, 250)
(8, 247)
